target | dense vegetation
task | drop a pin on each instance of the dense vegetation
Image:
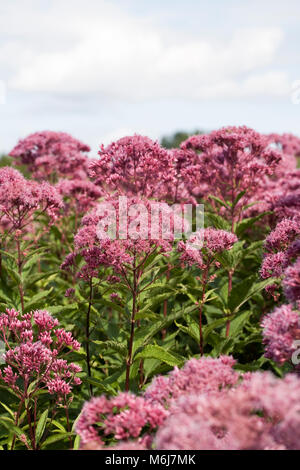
(148, 341)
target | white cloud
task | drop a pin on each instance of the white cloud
(101, 49)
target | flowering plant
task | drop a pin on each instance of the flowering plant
(132, 319)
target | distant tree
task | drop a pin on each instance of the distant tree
(174, 140)
(5, 160)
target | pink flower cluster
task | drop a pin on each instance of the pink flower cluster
(134, 165)
(280, 330)
(37, 355)
(21, 198)
(200, 249)
(205, 375)
(124, 416)
(291, 282)
(289, 146)
(138, 239)
(49, 155)
(279, 194)
(281, 247)
(260, 414)
(81, 194)
(207, 405)
(231, 160)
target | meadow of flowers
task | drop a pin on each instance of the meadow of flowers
(146, 342)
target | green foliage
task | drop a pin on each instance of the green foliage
(166, 320)
(176, 139)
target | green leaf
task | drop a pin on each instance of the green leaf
(154, 301)
(14, 275)
(192, 330)
(6, 253)
(76, 443)
(10, 425)
(58, 425)
(238, 198)
(144, 335)
(238, 322)
(8, 410)
(229, 259)
(4, 297)
(34, 278)
(207, 329)
(62, 308)
(55, 438)
(36, 299)
(110, 304)
(210, 196)
(41, 425)
(148, 315)
(56, 232)
(157, 352)
(217, 221)
(243, 291)
(30, 262)
(115, 345)
(242, 226)
(98, 384)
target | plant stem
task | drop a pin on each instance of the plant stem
(16, 423)
(87, 332)
(31, 431)
(230, 274)
(164, 331)
(204, 278)
(20, 261)
(68, 422)
(141, 374)
(132, 327)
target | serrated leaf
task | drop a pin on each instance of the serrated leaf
(115, 345)
(192, 330)
(144, 335)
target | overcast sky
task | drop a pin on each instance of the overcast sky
(102, 69)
